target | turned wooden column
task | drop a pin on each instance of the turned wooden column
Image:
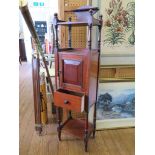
(69, 33)
(99, 51)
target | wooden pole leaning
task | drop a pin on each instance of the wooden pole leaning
(28, 19)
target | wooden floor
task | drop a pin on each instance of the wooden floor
(107, 142)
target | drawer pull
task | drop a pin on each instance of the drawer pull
(66, 101)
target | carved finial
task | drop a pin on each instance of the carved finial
(91, 12)
(101, 20)
(69, 19)
(55, 19)
(100, 17)
(55, 15)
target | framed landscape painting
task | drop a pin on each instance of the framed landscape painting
(115, 105)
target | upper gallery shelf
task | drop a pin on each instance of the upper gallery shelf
(84, 17)
(84, 8)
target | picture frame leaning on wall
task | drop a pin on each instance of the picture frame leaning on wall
(116, 97)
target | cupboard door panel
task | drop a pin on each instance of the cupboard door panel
(72, 72)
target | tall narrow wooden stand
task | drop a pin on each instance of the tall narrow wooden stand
(76, 76)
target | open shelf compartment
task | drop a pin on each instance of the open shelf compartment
(76, 128)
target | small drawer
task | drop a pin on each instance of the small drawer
(69, 100)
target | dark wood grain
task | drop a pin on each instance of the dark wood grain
(73, 69)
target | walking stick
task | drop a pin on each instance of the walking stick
(28, 19)
(35, 65)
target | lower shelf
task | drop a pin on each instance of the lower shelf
(76, 127)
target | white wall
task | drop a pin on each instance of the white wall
(39, 14)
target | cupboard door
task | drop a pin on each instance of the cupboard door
(71, 72)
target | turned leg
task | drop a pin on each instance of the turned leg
(94, 121)
(59, 124)
(59, 133)
(86, 133)
(86, 140)
(94, 131)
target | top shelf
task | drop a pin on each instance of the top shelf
(95, 22)
(84, 17)
(73, 23)
(76, 50)
(84, 9)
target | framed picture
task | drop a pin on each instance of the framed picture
(118, 33)
(115, 105)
